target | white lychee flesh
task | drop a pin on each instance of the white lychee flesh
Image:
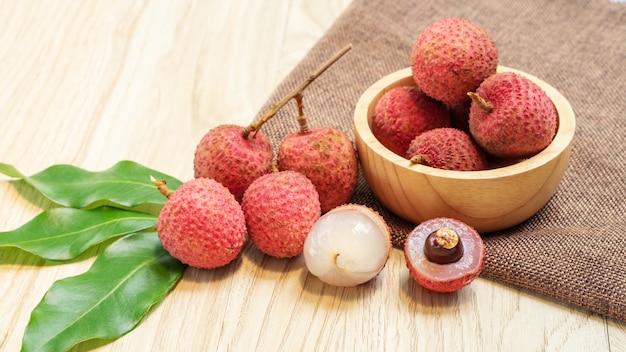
(347, 246)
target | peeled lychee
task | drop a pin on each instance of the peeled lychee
(280, 208)
(404, 112)
(511, 116)
(444, 255)
(347, 246)
(201, 223)
(446, 148)
(233, 157)
(451, 57)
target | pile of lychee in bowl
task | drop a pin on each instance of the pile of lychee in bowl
(458, 136)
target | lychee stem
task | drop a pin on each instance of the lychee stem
(250, 131)
(480, 101)
(419, 159)
(302, 121)
(162, 187)
(274, 167)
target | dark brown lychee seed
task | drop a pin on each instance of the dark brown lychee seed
(443, 246)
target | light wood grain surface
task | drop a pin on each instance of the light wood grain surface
(93, 82)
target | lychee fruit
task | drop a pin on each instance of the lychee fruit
(511, 116)
(347, 246)
(280, 208)
(326, 156)
(404, 112)
(201, 223)
(451, 57)
(446, 148)
(233, 157)
(444, 255)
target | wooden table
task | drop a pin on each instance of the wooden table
(90, 83)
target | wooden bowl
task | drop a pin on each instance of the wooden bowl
(489, 200)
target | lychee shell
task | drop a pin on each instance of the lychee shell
(280, 208)
(444, 277)
(327, 157)
(225, 155)
(451, 57)
(522, 122)
(449, 149)
(404, 112)
(202, 224)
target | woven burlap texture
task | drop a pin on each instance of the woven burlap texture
(573, 250)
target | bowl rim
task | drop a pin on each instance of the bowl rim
(561, 142)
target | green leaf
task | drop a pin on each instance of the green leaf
(10, 171)
(108, 300)
(126, 184)
(66, 233)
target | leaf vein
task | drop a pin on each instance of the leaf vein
(125, 279)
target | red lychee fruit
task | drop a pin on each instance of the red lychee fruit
(444, 255)
(446, 148)
(325, 155)
(233, 157)
(201, 223)
(451, 57)
(404, 112)
(280, 208)
(511, 116)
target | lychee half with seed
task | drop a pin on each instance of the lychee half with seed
(448, 149)
(403, 113)
(451, 57)
(232, 156)
(201, 223)
(444, 255)
(511, 116)
(280, 209)
(347, 246)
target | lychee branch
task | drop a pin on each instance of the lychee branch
(302, 122)
(250, 130)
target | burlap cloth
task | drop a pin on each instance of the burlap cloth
(574, 249)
